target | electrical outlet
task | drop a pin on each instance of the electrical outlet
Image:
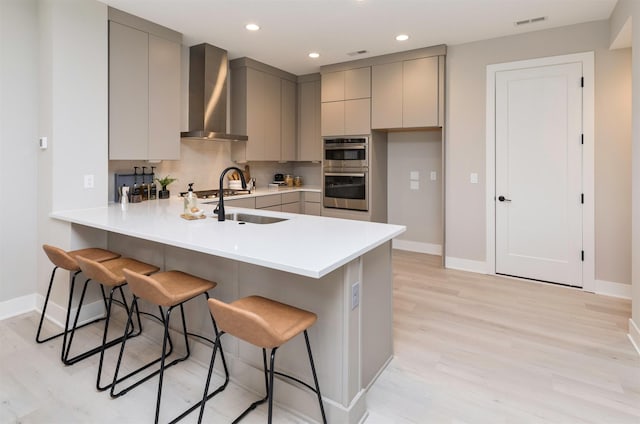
(88, 181)
(44, 143)
(414, 175)
(434, 176)
(355, 295)
(414, 185)
(473, 178)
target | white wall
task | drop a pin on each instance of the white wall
(420, 210)
(73, 115)
(18, 147)
(465, 145)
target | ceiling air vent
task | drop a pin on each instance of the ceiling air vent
(530, 21)
(358, 53)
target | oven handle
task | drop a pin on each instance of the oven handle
(343, 174)
(340, 147)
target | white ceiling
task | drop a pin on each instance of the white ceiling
(290, 29)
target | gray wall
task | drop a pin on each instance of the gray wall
(465, 149)
(630, 9)
(18, 147)
(420, 210)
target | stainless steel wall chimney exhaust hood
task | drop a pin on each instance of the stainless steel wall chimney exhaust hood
(208, 69)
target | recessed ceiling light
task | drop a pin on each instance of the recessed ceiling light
(252, 27)
(314, 55)
(402, 37)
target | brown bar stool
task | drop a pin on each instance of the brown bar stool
(67, 260)
(165, 289)
(267, 324)
(107, 274)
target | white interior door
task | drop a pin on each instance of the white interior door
(539, 173)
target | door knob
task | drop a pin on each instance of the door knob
(503, 199)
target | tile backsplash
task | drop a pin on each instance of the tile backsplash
(201, 164)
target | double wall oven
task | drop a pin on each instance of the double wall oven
(346, 173)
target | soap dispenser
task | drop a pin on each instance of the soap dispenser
(190, 201)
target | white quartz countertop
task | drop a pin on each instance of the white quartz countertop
(307, 245)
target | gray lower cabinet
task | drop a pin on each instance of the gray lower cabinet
(293, 202)
(144, 95)
(312, 203)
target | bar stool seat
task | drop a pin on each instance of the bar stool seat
(167, 289)
(67, 261)
(267, 324)
(108, 274)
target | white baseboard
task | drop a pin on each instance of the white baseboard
(479, 267)
(634, 335)
(55, 312)
(17, 306)
(417, 246)
(610, 288)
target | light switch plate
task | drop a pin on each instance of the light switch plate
(473, 178)
(414, 185)
(44, 143)
(434, 176)
(355, 295)
(414, 175)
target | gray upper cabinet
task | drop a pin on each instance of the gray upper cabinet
(288, 119)
(406, 94)
(263, 106)
(309, 138)
(346, 107)
(346, 85)
(144, 92)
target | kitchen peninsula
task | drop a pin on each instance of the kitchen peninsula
(339, 269)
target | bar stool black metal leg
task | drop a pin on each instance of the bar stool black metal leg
(164, 352)
(68, 316)
(315, 377)
(65, 358)
(44, 309)
(117, 380)
(216, 343)
(270, 393)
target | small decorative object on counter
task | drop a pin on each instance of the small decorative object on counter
(136, 195)
(297, 181)
(164, 182)
(144, 187)
(153, 189)
(288, 179)
(124, 197)
(190, 201)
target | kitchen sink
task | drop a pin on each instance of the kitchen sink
(253, 219)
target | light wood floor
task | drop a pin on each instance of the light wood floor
(469, 348)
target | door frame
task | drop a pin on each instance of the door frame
(588, 157)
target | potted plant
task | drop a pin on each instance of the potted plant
(164, 182)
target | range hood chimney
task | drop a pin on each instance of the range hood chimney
(208, 69)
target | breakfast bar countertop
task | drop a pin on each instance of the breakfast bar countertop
(307, 245)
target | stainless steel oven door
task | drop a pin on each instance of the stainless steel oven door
(346, 189)
(346, 152)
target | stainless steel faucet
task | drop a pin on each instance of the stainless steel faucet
(220, 209)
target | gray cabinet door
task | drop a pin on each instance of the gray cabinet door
(420, 93)
(164, 99)
(288, 120)
(128, 92)
(271, 110)
(309, 138)
(357, 83)
(333, 118)
(357, 116)
(332, 86)
(386, 95)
